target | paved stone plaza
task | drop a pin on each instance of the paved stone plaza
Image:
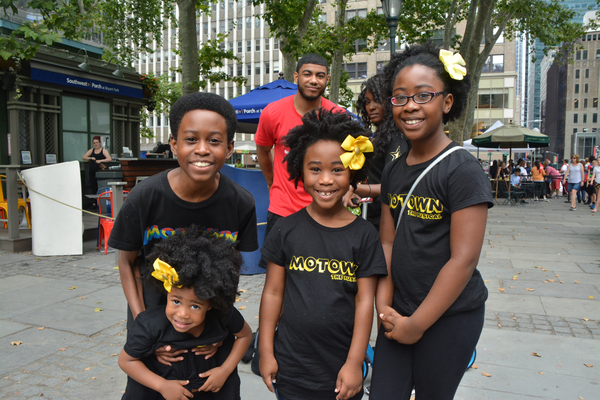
(541, 263)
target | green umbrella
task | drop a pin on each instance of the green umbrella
(511, 135)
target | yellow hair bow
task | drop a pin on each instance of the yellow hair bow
(453, 62)
(355, 159)
(165, 273)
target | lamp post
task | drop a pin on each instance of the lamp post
(392, 9)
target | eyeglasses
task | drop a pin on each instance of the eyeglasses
(419, 98)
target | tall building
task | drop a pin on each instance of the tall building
(570, 106)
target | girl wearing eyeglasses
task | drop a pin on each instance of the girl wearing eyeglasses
(432, 302)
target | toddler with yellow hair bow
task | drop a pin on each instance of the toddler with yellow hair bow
(323, 266)
(199, 273)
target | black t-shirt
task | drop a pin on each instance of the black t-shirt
(152, 329)
(152, 211)
(422, 242)
(315, 330)
(398, 146)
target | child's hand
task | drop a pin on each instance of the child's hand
(402, 328)
(174, 390)
(268, 369)
(387, 327)
(208, 351)
(216, 380)
(166, 355)
(349, 381)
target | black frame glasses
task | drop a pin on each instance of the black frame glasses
(397, 102)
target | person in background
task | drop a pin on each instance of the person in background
(596, 183)
(276, 120)
(493, 171)
(537, 176)
(553, 177)
(563, 170)
(575, 173)
(238, 164)
(389, 143)
(97, 155)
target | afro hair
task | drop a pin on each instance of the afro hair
(203, 101)
(428, 54)
(205, 262)
(317, 125)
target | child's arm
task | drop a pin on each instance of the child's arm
(271, 304)
(170, 390)
(467, 230)
(349, 381)
(128, 271)
(217, 376)
(385, 286)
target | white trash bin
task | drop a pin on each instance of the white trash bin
(56, 230)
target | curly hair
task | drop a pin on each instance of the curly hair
(427, 54)
(387, 129)
(203, 101)
(205, 262)
(320, 125)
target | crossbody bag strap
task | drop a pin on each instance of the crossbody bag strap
(433, 164)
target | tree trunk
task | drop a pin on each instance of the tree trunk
(338, 54)
(290, 58)
(188, 43)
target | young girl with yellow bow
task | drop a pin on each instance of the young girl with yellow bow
(316, 309)
(433, 217)
(200, 275)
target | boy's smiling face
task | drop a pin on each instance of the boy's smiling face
(201, 146)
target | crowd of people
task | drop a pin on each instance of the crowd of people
(578, 180)
(180, 233)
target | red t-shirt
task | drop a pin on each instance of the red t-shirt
(275, 122)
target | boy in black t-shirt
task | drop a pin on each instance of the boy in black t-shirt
(202, 127)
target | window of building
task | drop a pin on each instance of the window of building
(587, 73)
(267, 69)
(248, 22)
(498, 98)
(151, 121)
(257, 21)
(384, 45)
(222, 91)
(80, 126)
(222, 26)
(276, 67)
(595, 102)
(361, 45)
(248, 88)
(594, 118)
(165, 120)
(239, 23)
(494, 63)
(230, 70)
(257, 43)
(239, 46)
(585, 54)
(151, 57)
(594, 37)
(360, 13)
(323, 18)
(230, 92)
(205, 27)
(576, 74)
(576, 103)
(230, 24)
(213, 27)
(356, 70)
(276, 44)
(248, 45)
(597, 54)
(589, 37)
(239, 70)
(585, 118)
(574, 130)
(578, 55)
(577, 88)
(248, 69)
(584, 103)
(575, 118)
(158, 120)
(380, 66)
(267, 44)
(257, 68)
(585, 88)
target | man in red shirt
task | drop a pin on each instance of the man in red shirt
(276, 120)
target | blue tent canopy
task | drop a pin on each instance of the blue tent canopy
(249, 106)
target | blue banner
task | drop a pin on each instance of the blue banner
(85, 83)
